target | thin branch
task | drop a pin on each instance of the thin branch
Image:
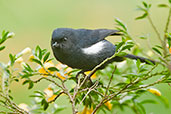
(98, 93)
(155, 29)
(105, 96)
(4, 112)
(7, 107)
(110, 80)
(168, 21)
(13, 105)
(134, 82)
(138, 88)
(76, 89)
(149, 45)
(89, 90)
(74, 110)
(146, 86)
(98, 106)
(50, 80)
(165, 31)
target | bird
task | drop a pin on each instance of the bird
(84, 49)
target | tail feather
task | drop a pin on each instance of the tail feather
(142, 59)
(130, 56)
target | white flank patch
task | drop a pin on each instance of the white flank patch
(94, 49)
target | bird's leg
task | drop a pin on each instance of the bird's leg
(78, 74)
(82, 72)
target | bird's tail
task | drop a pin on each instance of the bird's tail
(142, 59)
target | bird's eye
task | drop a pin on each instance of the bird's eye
(65, 39)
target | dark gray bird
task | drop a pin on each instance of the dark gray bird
(84, 49)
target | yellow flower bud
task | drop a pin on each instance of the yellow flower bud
(150, 53)
(86, 110)
(46, 65)
(24, 107)
(31, 57)
(64, 70)
(51, 98)
(109, 105)
(49, 92)
(26, 50)
(169, 48)
(93, 76)
(19, 60)
(61, 76)
(10, 35)
(154, 91)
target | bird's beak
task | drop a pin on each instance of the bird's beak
(55, 45)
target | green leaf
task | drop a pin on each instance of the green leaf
(58, 109)
(37, 61)
(119, 45)
(142, 17)
(28, 68)
(148, 101)
(37, 51)
(17, 80)
(26, 81)
(4, 37)
(11, 97)
(141, 9)
(121, 24)
(145, 4)
(143, 37)
(170, 1)
(169, 42)
(36, 96)
(49, 60)
(138, 63)
(142, 108)
(45, 104)
(149, 6)
(129, 46)
(40, 53)
(1, 101)
(159, 46)
(156, 50)
(167, 81)
(31, 84)
(39, 92)
(46, 57)
(149, 62)
(12, 58)
(163, 100)
(163, 6)
(1, 48)
(53, 69)
(121, 54)
(26, 75)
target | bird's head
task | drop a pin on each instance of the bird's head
(61, 38)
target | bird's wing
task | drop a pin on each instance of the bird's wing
(90, 37)
(106, 32)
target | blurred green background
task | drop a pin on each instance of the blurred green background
(34, 20)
